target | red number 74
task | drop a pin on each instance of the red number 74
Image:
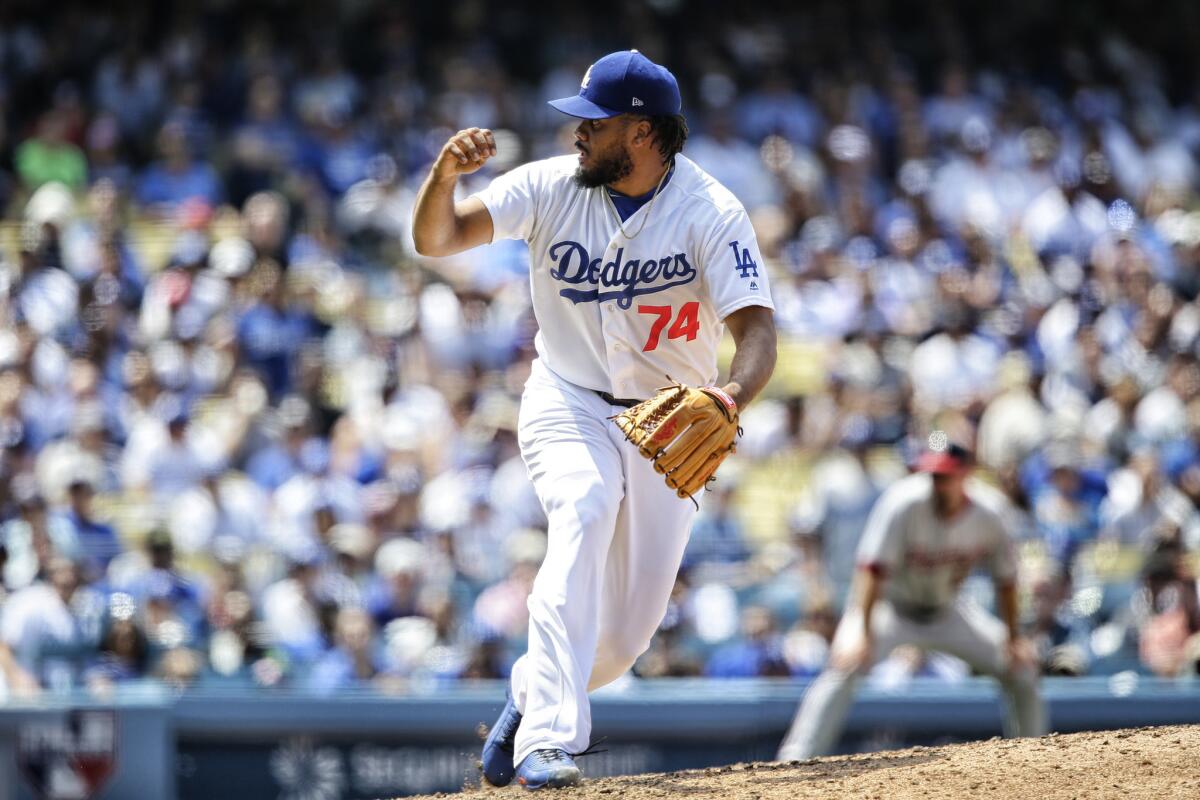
(686, 324)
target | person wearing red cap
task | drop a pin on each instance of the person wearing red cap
(925, 534)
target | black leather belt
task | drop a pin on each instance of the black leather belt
(918, 613)
(616, 401)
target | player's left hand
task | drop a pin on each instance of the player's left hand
(686, 432)
(1022, 655)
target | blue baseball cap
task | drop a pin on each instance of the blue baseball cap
(623, 83)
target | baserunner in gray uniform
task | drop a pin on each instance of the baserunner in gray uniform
(923, 537)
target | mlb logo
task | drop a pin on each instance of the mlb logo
(69, 757)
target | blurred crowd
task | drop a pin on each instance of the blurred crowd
(249, 437)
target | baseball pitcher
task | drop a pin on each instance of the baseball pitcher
(638, 260)
(923, 537)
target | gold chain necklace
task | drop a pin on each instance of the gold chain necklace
(649, 207)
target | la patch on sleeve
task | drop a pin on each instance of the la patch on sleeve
(743, 263)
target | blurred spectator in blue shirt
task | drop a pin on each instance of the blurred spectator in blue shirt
(775, 107)
(97, 541)
(167, 184)
(265, 144)
(342, 152)
(154, 578)
(353, 658)
(270, 332)
(757, 652)
(129, 84)
(291, 611)
(717, 534)
(171, 459)
(1065, 497)
(275, 463)
(52, 626)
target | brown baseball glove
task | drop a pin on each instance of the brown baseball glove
(685, 432)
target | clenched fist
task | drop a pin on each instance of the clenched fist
(465, 152)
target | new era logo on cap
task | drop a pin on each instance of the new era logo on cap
(622, 81)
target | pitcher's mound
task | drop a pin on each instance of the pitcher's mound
(1135, 763)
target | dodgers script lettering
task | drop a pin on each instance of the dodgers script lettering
(620, 279)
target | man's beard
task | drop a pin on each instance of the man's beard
(606, 170)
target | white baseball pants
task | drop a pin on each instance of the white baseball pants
(616, 539)
(964, 630)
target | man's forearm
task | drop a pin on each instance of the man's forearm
(1006, 603)
(13, 673)
(867, 597)
(753, 363)
(440, 227)
(434, 223)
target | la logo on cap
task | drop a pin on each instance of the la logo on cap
(587, 76)
(619, 83)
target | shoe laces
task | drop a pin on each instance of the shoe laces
(592, 749)
(549, 757)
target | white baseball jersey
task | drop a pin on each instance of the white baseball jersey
(617, 314)
(924, 557)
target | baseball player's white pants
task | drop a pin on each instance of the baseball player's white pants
(616, 539)
(964, 630)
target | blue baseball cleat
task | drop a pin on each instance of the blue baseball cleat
(548, 769)
(498, 747)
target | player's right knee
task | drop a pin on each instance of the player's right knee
(621, 651)
(840, 674)
(1019, 679)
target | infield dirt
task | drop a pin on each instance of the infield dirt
(1135, 763)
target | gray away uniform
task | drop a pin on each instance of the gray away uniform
(923, 560)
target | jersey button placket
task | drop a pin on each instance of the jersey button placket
(620, 361)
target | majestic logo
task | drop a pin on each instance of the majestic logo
(623, 279)
(637, 102)
(587, 76)
(742, 261)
